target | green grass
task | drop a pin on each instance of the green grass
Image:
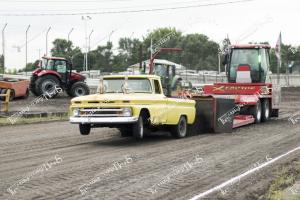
(287, 176)
(5, 122)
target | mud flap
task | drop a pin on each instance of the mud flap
(225, 109)
(213, 115)
(276, 100)
(204, 117)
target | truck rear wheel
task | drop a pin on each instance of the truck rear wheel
(84, 129)
(79, 89)
(255, 111)
(138, 128)
(180, 130)
(265, 108)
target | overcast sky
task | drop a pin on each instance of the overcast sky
(257, 20)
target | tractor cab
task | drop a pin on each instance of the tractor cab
(171, 82)
(247, 63)
(166, 72)
(56, 64)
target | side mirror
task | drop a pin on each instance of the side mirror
(226, 59)
(38, 64)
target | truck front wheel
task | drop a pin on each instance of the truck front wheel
(180, 130)
(138, 128)
(84, 129)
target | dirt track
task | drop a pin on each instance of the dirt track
(24, 148)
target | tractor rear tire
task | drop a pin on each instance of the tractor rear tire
(256, 112)
(32, 85)
(84, 129)
(32, 90)
(79, 89)
(265, 109)
(180, 130)
(46, 84)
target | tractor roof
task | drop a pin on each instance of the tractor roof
(53, 58)
(250, 46)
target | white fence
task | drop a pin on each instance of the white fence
(198, 80)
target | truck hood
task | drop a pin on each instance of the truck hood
(117, 98)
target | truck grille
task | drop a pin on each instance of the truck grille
(101, 112)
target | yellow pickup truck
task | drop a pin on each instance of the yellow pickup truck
(133, 104)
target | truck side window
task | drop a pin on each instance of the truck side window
(156, 87)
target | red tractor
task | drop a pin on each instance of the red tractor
(57, 72)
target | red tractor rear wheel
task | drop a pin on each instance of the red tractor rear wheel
(46, 84)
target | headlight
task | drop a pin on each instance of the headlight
(264, 90)
(127, 112)
(76, 112)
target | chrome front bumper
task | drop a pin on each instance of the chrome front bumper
(103, 120)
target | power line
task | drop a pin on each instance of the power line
(111, 8)
(125, 11)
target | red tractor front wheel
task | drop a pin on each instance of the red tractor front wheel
(79, 89)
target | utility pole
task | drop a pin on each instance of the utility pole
(26, 49)
(3, 48)
(219, 62)
(89, 49)
(70, 34)
(90, 40)
(151, 54)
(85, 19)
(47, 40)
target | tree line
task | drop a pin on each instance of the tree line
(199, 52)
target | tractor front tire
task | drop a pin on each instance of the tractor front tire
(79, 89)
(46, 85)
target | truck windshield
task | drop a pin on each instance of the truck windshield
(136, 85)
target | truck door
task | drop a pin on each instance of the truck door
(160, 110)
